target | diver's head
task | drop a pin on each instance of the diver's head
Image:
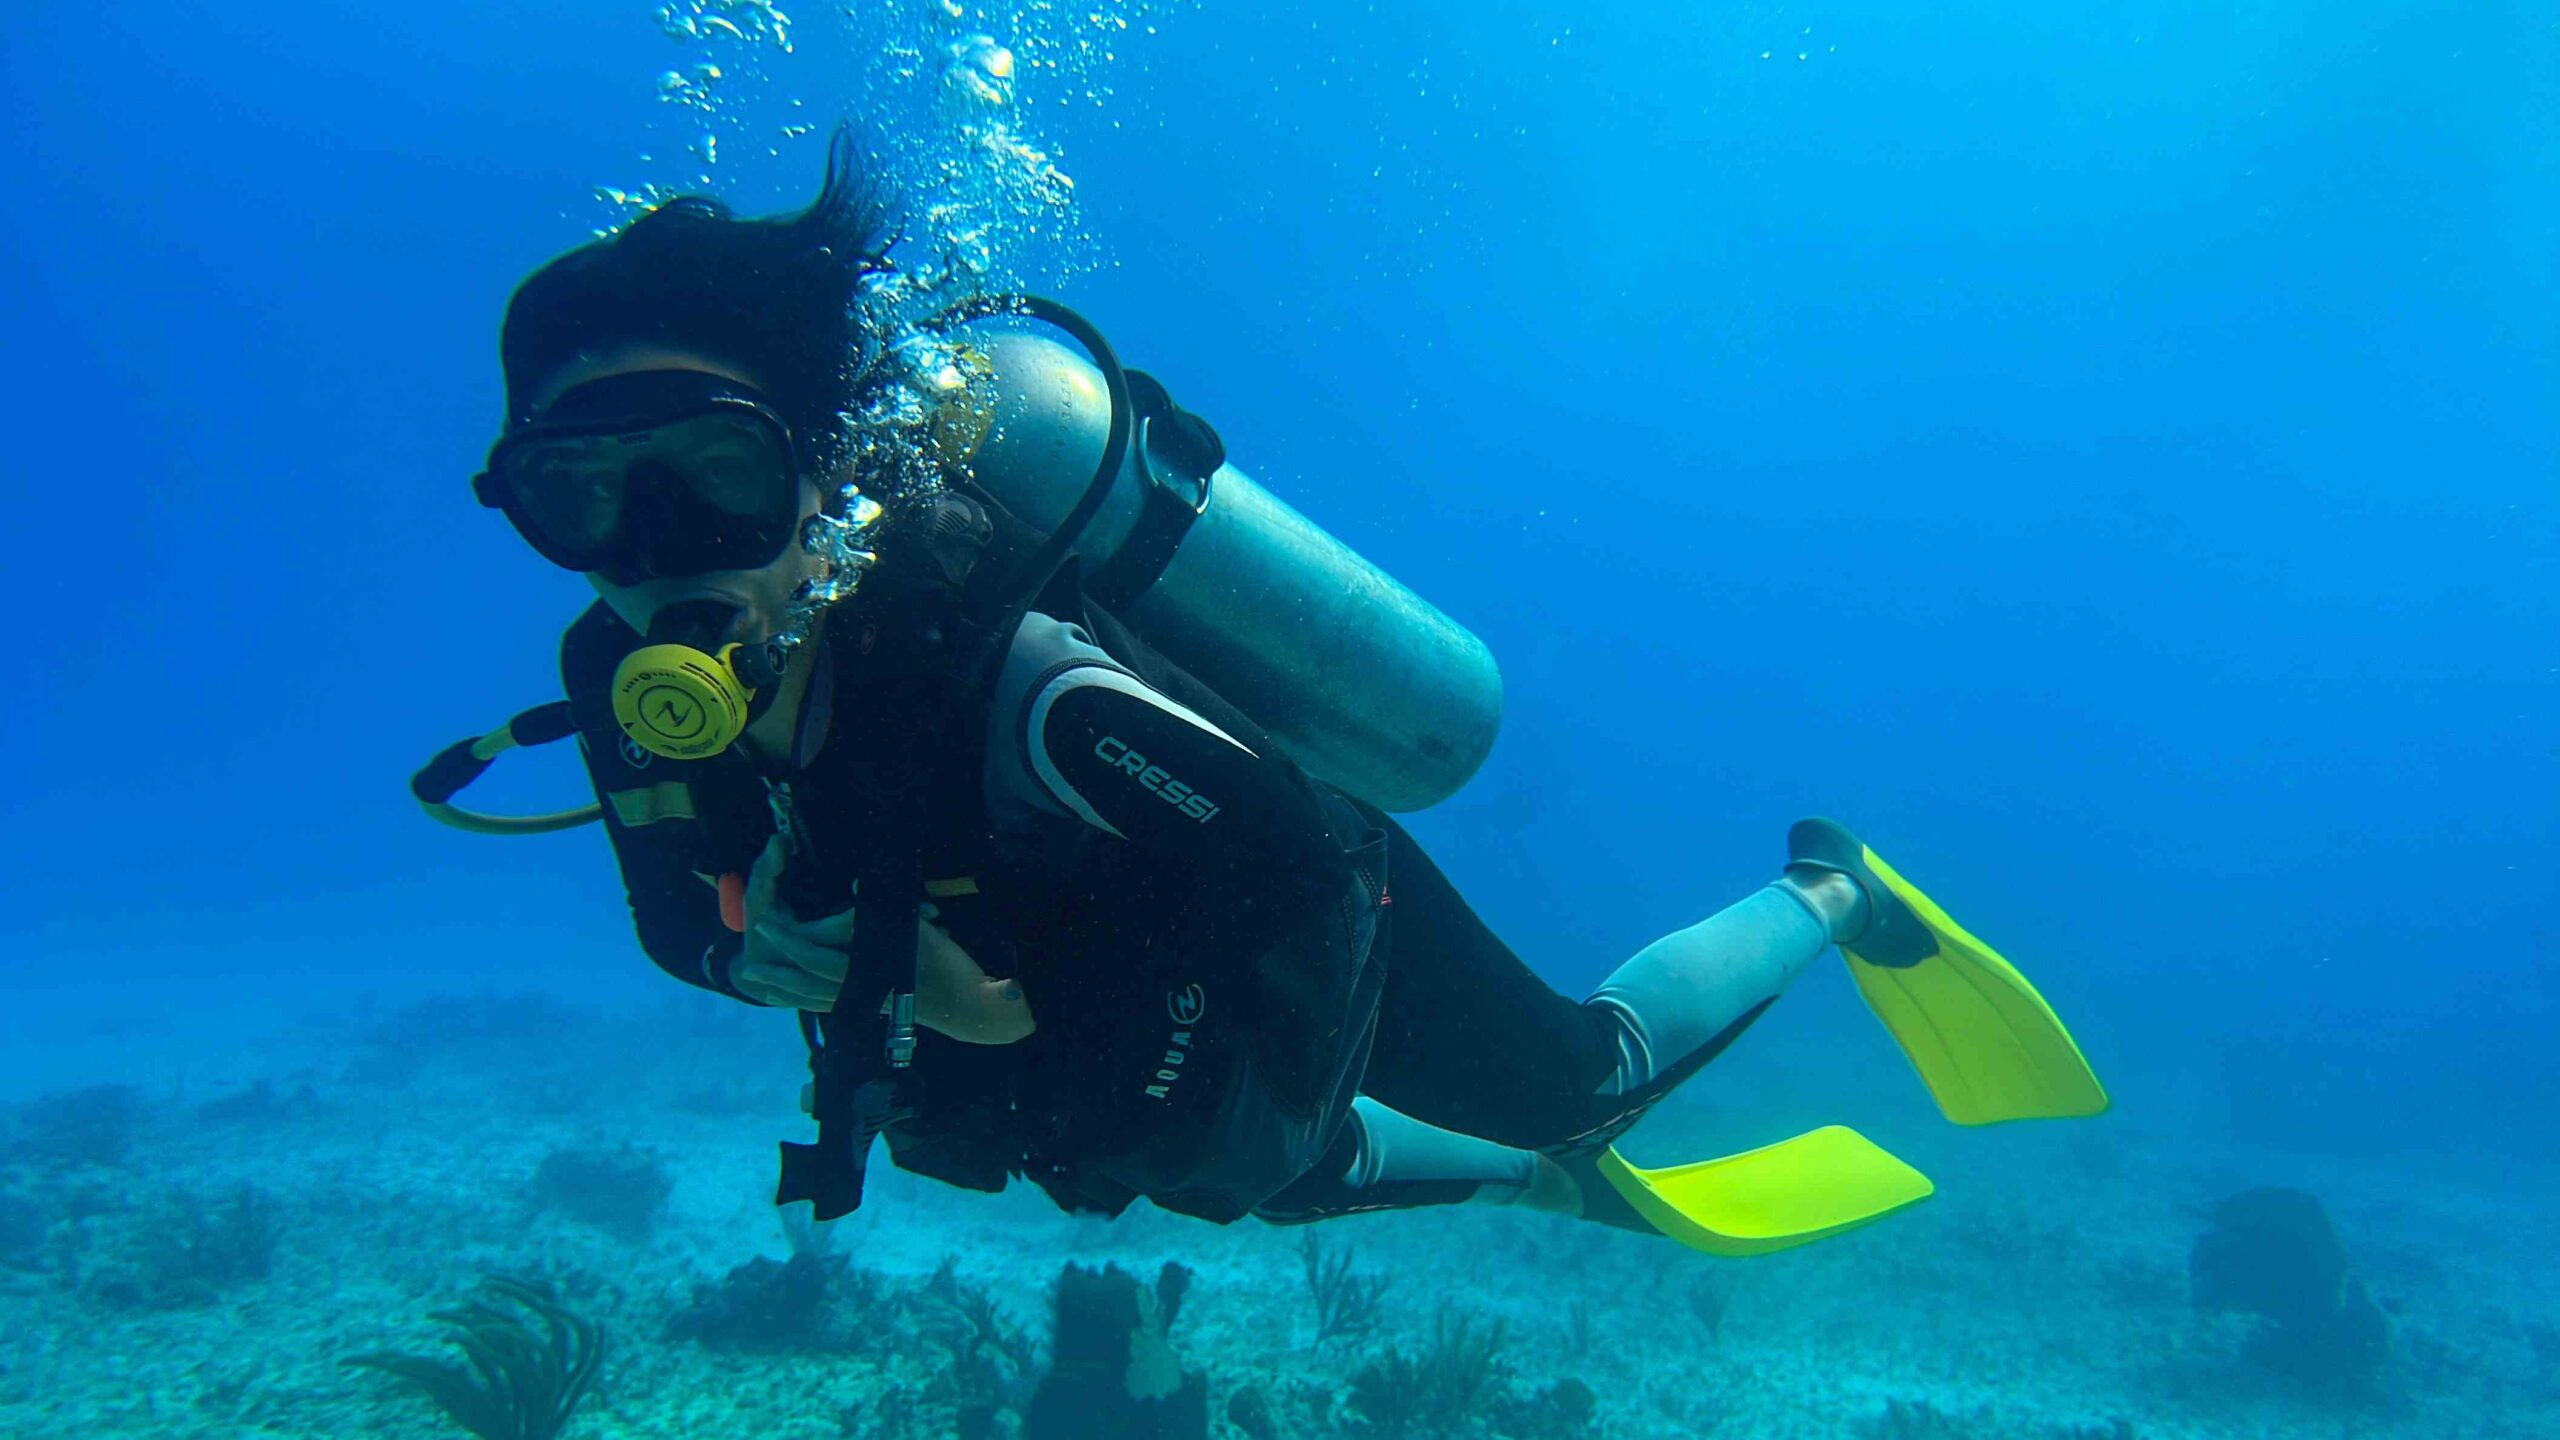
(676, 400)
(665, 476)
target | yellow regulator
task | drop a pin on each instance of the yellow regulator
(677, 702)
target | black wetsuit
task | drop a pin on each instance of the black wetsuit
(1219, 952)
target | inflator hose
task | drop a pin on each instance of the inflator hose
(463, 762)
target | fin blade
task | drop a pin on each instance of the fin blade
(1797, 1191)
(1985, 1043)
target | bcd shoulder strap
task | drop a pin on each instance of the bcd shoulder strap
(1175, 453)
(923, 702)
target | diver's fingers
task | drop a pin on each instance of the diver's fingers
(764, 877)
(836, 930)
(785, 985)
(790, 944)
(756, 983)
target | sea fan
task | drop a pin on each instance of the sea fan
(521, 1379)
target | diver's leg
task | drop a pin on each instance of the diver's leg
(1471, 1039)
(1678, 1002)
(1383, 1160)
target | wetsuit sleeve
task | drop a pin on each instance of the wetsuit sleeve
(1075, 733)
(674, 907)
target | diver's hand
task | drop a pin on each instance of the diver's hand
(801, 964)
(787, 961)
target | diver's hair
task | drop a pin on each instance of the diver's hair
(774, 295)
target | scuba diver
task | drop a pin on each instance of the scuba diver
(1043, 762)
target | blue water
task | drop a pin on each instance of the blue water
(2110, 454)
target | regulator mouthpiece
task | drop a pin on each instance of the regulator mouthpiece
(685, 695)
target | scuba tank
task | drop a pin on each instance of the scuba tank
(1365, 684)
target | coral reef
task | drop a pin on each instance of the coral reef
(1564, 1410)
(621, 1192)
(130, 1301)
(1449, 1384)
(1921, 1420)
(260, 1103)
(1249, 1410)
(763, 1305)
(988, 1363)
(91, 1125)
(2270, 1252)
(1346, 1300)
(1113, 1374)
(203, 1249)
(2273, 1253)
(178, 1252)
(528, 1362)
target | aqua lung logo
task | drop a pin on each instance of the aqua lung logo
(1186, 1006)
(634, 755)
(672, 713)
(1116, 753)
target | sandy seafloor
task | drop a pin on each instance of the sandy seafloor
(2041, 1294)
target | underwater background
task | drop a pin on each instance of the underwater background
(2108, 454)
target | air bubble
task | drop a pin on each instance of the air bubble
(980, 72)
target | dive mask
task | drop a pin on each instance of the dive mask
(654, 474)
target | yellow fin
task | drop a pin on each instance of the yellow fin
(1985, 1043)
(1818, 1184)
